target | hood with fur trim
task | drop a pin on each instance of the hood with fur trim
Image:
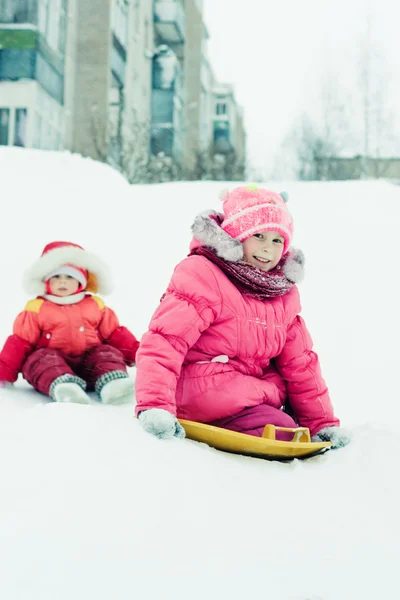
(207, 231)
(99, 275)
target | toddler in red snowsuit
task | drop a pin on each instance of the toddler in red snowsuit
(66, 340)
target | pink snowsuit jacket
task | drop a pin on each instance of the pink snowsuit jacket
(211, 352)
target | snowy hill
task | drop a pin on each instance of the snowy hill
(92, 507)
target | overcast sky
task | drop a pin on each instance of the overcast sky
(276, 52)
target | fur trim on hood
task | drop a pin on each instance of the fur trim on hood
(294, 265)
(99, 277)
(206, 228)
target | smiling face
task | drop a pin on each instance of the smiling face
(63, 285)
(264, 250)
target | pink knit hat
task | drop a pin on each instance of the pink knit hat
(250, 210)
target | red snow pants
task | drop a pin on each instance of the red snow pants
(46, 364)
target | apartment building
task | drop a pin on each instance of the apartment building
(69, 74)
(228, 127)
(32, 72)
(130, 77)
(167, 127)
(196, 116)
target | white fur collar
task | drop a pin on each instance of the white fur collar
(63, 300)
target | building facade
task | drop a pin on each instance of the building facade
(167, 127)
(128, 79)
(32, 72)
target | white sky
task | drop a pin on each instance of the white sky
(276, 52)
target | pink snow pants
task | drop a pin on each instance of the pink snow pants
(253, 419)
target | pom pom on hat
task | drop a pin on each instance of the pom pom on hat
(223, 194)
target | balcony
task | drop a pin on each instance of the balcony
(18, 37)
(169, 21)
(222, 137)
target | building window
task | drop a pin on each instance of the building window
(221, 108)
(42, 16)
(17, 64)
(38, 131)
(146, 34)
(119, 20)
(4, 126)
(17, 11)
(21, 121)
(50, 79)
(137, 16)
(52, 22)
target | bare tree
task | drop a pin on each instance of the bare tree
(129, 150)
(136, 151)
(313, 141)
(213, 166)
(98, 133)
(374, 91)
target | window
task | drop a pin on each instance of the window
(17, 11)
(119, 20)
(57, 141)
(48, 122)
(21, 121)
(4, 126)
(118, 61)
(42, 16)
(137, 16)
(49, 79)
(46, 136)
(146, 34)
(221, 108)
(38, 131)
(52, 22)
(17, 64)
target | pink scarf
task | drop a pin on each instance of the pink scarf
(250, 280)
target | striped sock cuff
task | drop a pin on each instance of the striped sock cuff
(68, 378)
(107, 377)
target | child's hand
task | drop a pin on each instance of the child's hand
(161, 423)
(338, 436)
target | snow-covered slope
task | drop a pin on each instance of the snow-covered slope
(92, 507)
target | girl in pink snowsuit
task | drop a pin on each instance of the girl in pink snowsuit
(227, 346)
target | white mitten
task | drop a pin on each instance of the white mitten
(161, 423)
(338, 436)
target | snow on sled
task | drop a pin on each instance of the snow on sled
(266, 446)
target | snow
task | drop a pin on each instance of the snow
(93, 507)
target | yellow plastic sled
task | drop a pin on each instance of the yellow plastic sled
(266, 446)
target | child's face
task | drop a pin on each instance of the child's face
(264, 250)
(63, 285)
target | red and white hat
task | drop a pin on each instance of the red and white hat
(77, 273)
(250, 210)
(70, 259)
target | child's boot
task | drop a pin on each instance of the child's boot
(115, 387)
(69, 390)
